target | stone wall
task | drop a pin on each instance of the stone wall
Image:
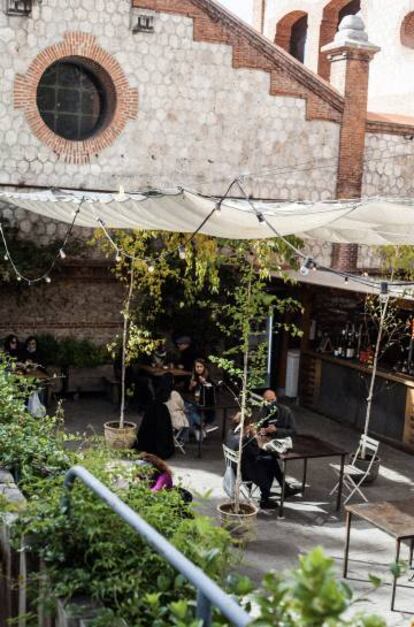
(200, 121)
(389, 165)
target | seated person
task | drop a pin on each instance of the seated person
(275, 419)
(162, 476)
(11, 347)
(30, 355)
(258, 466)
(163, 480)
(155, 434)
(161, 358)
(202, 390)
(176, 406)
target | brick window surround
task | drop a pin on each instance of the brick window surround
(284, 28)
(407, 30)
(84, 47)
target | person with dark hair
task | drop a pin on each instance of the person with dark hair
(162, 477)
(11, 346)
(155, 433)
(202, 388)
(30, 354)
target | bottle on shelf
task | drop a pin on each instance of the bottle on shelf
(350, 343)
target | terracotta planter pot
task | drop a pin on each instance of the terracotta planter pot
(362, 464)
(240, 525)
(120, 438)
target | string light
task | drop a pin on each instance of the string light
(261, 219)
(181, 252)
(62, 254)
(48, 279)
(118, 256)
(6, 257)
(307, 265)
(151, 268)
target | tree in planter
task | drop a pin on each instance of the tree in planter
(398, 263)
(245, 311)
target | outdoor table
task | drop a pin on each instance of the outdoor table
(157, 371)
(309, 447)
(396, 518)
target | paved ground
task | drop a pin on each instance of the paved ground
(308, 521)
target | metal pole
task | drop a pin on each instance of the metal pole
(210, 591)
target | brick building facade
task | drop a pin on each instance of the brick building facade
(159, 93)
(314, 24)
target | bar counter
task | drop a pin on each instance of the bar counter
(338, 388)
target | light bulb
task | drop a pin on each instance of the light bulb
(121, 196)
(118, 256)
(6, 257)
(62, 254)
(181, 252)
(19, 278)
(346, 279)
(151, 268)
(48, 279)
(217, 208)
(261, 219)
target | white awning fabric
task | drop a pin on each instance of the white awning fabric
(371, 221)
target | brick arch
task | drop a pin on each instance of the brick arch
(285, 28)
(407, 30)
(333, 13)
(124, 107)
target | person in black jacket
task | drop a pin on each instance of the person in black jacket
(275, 419)
(258, 466)
(155, 434)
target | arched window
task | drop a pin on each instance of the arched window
(333, 14)
(407, 30)
(291, 33)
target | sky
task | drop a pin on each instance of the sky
(242, 8)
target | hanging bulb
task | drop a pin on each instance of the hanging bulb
(48, 279)
(346, 279)
(118, 256)
(62, 254)
(181, 252)
(217, 208)
(19, 278)
(261, 219)
(6, 257)
(151, 268)
(365, 274)
(307, 265)
(121, 196)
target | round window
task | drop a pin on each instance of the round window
(74, 98)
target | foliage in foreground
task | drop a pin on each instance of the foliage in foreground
(89, 550)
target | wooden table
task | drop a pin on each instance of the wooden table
(308, 447)
(157, 371)
(396, 518)
(36, 373)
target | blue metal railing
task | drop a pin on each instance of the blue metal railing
(208, 592)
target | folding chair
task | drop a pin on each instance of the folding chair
(247, 488)
(177, 442)
(353, 476)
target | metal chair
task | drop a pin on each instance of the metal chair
(177, 442)
(248, 489)
(353, 476)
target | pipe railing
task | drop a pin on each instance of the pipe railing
(209, 594)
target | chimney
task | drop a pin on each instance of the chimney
(350, 55)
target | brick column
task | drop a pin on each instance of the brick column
(350, 54)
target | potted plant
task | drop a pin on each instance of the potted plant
(383, 312)
(243, 313)
(122, 433)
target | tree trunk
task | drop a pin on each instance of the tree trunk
(125, 314)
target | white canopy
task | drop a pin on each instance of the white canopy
(371, 221)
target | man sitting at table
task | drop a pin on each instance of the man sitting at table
(257, 465)
(275, 420)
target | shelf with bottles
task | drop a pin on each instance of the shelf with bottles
(353, 338)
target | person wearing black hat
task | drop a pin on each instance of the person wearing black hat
(186, 351)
